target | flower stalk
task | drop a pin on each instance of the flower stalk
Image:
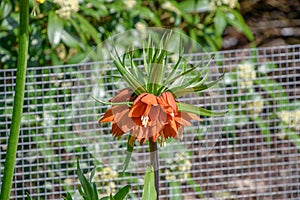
(18, 102)
(155, 163)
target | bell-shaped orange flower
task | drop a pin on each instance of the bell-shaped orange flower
(149, 116)
(176, 120)
(118, 115)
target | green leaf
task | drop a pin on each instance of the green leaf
(28, 196)
(5, 9)
(180, 92)
(128, 154)
(135, 85)
(210, 39)
(85, 184)
(220, 22)
(122, 193)
(69, 40)
(113, 103)
(88, 28)
(175, 190)
(137, 72)
(235, 19)
(54, 29)
(264, 128)
(183, 107)
(157, 71)
(149, 191)
(195, 6)
(68, 197)
(111, 197)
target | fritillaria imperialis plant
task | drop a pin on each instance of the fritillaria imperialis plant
(150, 108)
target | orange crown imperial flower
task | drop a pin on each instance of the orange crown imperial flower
(149, 116)
(147, 108)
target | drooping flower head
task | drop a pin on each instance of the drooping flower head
(150, 108)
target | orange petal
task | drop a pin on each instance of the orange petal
(116, 130)
(183, 119)
(149, 99)
(107, 117)
(191, 116)
(168, 97)
(169, 131)
(119, 112)
(138, 99)
(137, 110)
(123, 95)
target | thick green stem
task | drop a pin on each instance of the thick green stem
(18, 102)
(155, 164)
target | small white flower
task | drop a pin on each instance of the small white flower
(292, 118)
(246, 74)
(67, 7)
(129, 4)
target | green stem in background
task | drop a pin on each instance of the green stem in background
(154, 163)
(18, 102)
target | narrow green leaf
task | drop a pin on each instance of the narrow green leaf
(87, 189)
(128, 103)
(180, 75)
(180, 92)
(122, 193)
(69, 40)
(111, 197)
(149, 191)
(128, 154)
(28, 196)
(88, 28)
(235, 19)
(170, 76)
(197, 81)
(137, 71)
(54, 29)
(220, 21)
(95, 191)
(183, 107)
(92, 174)
(135, 85)
(68, 197)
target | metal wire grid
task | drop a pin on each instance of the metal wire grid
(59, 126)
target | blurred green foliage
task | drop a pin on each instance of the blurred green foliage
(252, 95)
(60, 36)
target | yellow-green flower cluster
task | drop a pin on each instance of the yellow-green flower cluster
(255, 107)
(292, 118)
(66, 8)
(180, 167)
(106, 179)
(246, 74)
(217, 3)
(129, 4)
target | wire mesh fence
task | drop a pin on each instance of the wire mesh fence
(254, 154)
